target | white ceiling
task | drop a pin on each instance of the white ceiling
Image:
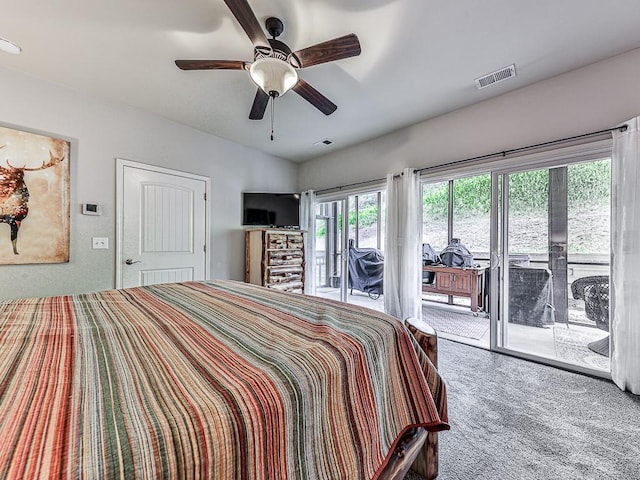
(419, 57)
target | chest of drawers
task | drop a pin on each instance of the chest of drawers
(275, 258)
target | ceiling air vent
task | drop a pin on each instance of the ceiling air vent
(496, 77)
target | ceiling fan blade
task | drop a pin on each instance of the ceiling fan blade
(259, 105)
(248, 21)
(211, 64)
(336, 49)
(314, 97)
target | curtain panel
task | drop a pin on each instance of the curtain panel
(403, 260)
(308, 224)
(625, 261)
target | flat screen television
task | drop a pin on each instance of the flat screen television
(271, 209)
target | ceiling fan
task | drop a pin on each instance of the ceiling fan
(274, 67)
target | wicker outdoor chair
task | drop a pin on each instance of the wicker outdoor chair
(595, 293)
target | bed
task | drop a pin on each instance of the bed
(210, 380)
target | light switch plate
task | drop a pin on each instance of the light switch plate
(100, 242)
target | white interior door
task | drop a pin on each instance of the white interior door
(162, 225)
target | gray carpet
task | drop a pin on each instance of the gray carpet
(517, 420)
(413, 476)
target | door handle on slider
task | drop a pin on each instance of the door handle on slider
(129, 261)
(495, 261)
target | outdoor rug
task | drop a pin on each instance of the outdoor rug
(571, 346)
(456, 323)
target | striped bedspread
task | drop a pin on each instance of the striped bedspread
(206, 380)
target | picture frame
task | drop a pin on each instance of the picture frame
(34, 198)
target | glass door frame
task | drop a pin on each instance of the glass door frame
(567, 154)
(499, 285)
(343, 196)
(342, 234)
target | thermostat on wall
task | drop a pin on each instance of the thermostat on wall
(91, 209)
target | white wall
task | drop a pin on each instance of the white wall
(100, 132)
(592, 98)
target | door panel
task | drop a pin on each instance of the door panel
(443, 280)
(552, 228)
(462, 284)
(343, 224)
(163, 226)
(167, 218)
(151, 277)
(330, 249)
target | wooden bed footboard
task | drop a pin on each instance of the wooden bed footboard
(417, 450)
(426, 462)
(406, 452)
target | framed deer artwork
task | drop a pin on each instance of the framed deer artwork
(34, 198)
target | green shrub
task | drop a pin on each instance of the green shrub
(368, 216)
(472, 195)
(588, 183)
(435, 200)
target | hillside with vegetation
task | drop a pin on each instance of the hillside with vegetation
(588, 191)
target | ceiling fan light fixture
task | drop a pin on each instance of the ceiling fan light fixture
(274, 76)
(9, 47)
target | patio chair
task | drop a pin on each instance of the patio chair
(595, 293)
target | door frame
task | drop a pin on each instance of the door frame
(121, 164)
(343, 235)
(540, 158)
(342, 195)
(499, 287)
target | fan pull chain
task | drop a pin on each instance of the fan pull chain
(273, 101)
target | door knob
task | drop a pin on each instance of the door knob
(129, 261)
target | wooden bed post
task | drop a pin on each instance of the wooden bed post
(426, 463)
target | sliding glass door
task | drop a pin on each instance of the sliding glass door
(349, 255)
(550, 243)
(539, 238)
(454, 297)
(331, 250)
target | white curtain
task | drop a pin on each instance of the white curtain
(402, 256)
(308, 224)
(625, 263)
